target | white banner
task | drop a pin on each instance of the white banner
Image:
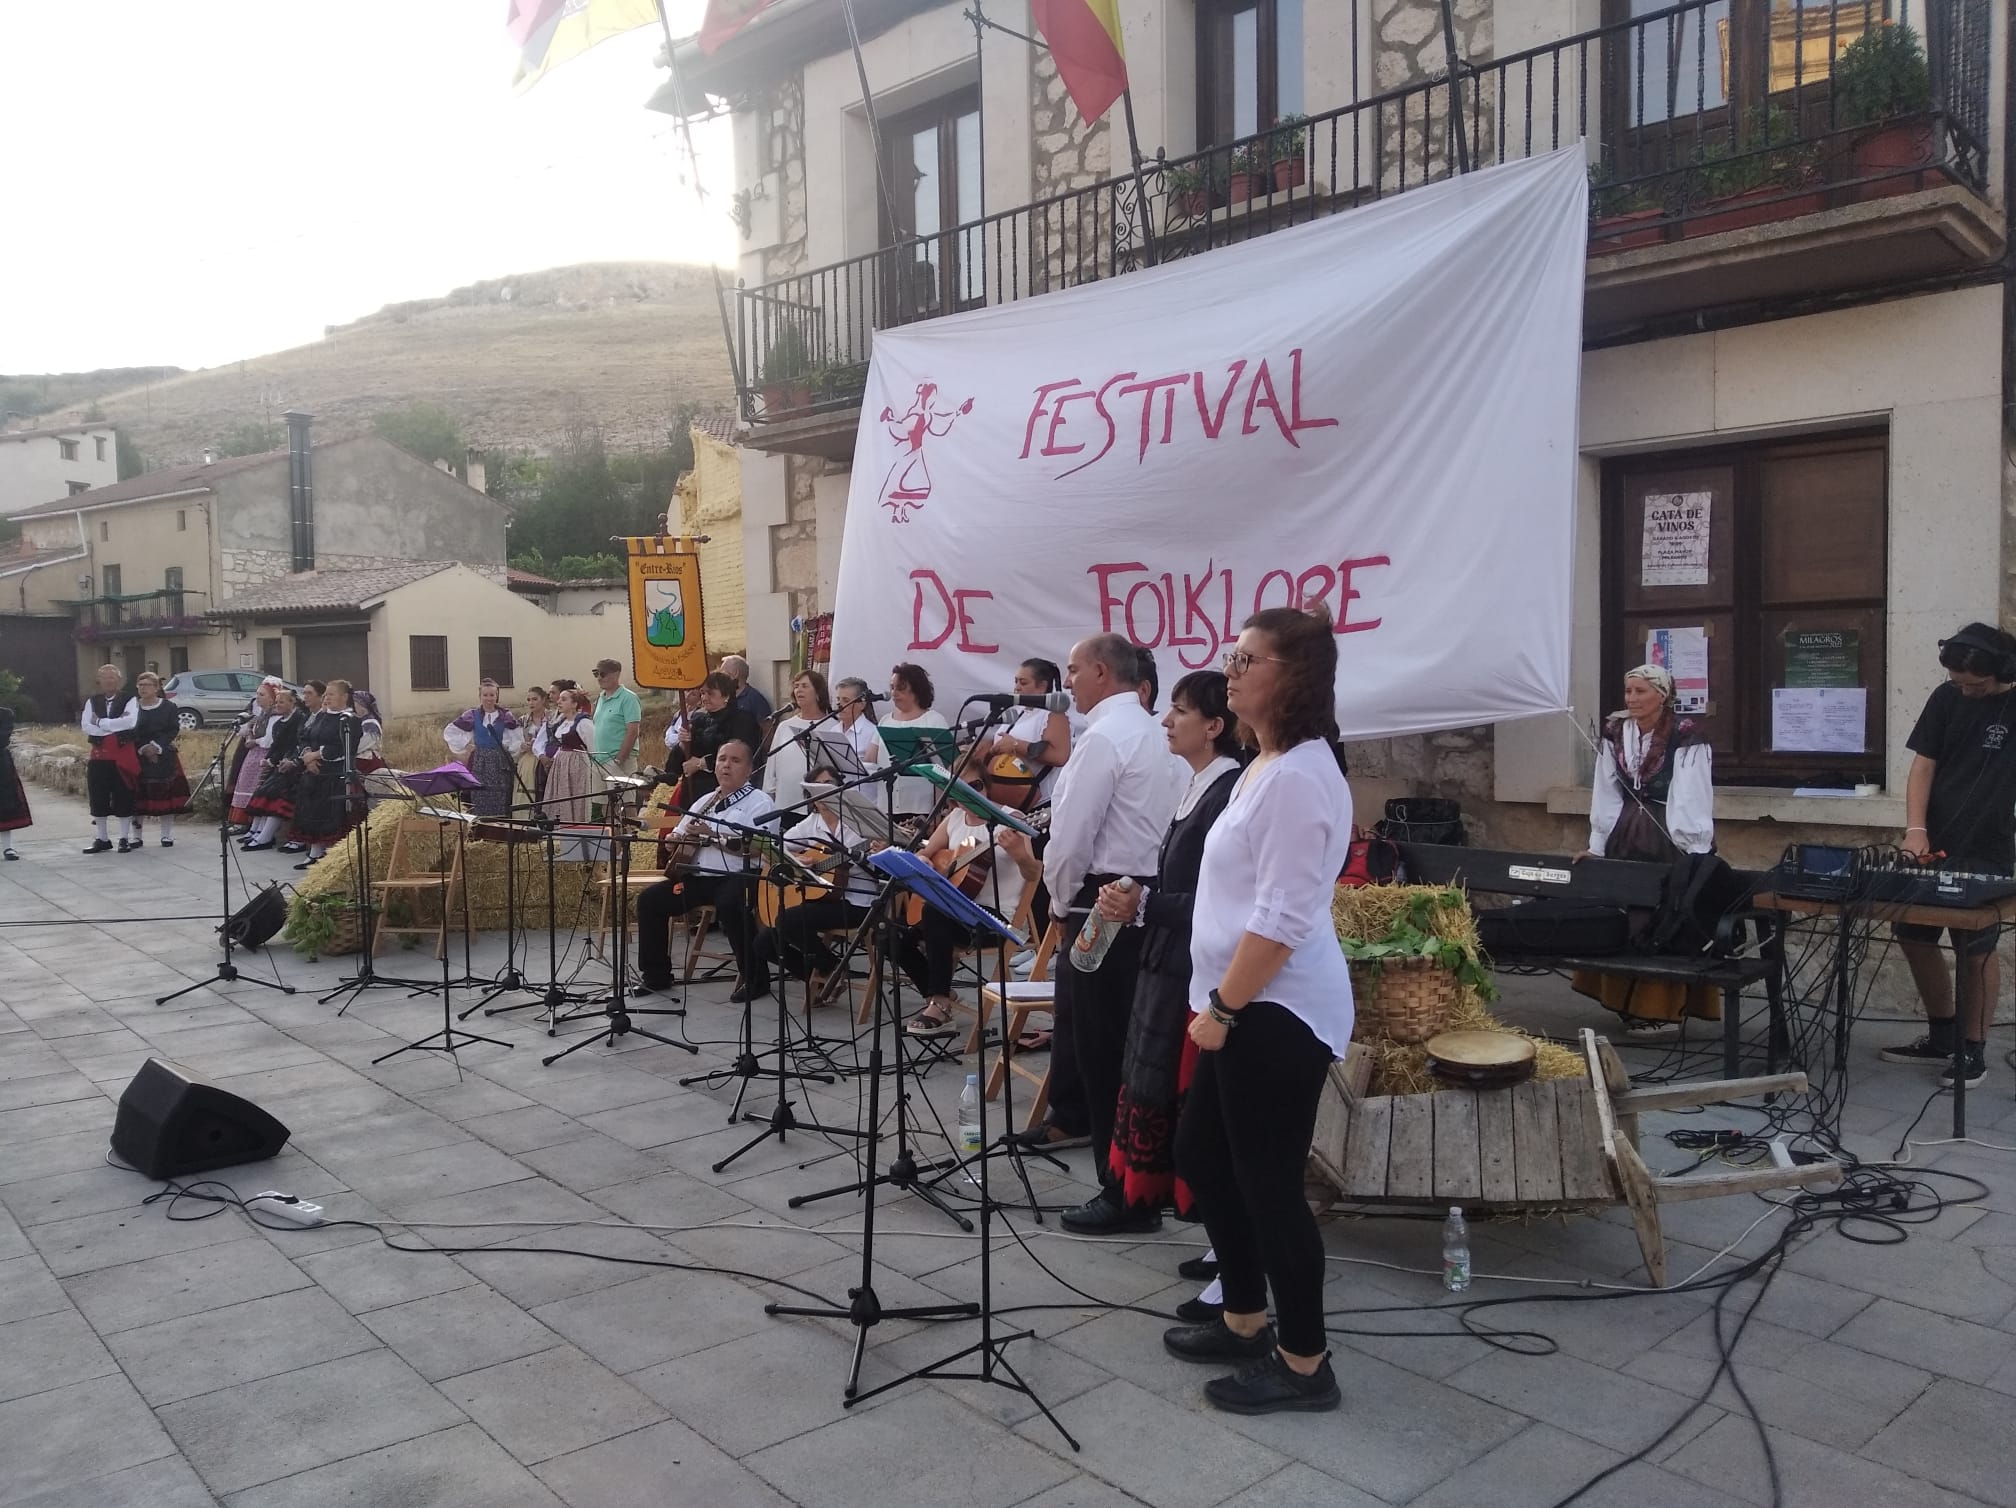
(1377, 409)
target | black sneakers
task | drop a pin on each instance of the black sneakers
(1928, 1049)
(1214, 1340)
(1977, 1066)
(1104, 1215)
(1271, 1386)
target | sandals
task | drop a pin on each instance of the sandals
(934, 1021)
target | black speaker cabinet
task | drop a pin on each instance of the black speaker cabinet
(171, 1123)
(253, 924)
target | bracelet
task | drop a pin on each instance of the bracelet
(1917, 830)
(1220, 1012)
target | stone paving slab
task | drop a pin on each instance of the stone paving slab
(206, 1361)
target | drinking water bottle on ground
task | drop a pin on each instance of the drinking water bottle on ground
(969, 1114)
(1089, 949)
(1456, 1251)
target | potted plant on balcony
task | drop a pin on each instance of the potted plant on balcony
(1619, 215)
(843, 384)
(1189, 196)
(785, 374)
(1287, 150)
(1881, 80)
(1767, 173)
(1251, 173)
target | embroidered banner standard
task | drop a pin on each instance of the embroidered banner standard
(1376, 409)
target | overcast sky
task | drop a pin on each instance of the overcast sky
(190, 182)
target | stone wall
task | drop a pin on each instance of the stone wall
(787, 149)
(1408, 48)
(794, 544)
(243, 569)
(1067, 154)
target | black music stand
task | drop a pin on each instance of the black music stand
(449, 1033)
(617, 1013)
(227, 971)
(440, 782)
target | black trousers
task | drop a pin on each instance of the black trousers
(795, 940)
(726, 893)
(1093, 1011)
(930, 949)
(111, 795)
(1242, 1146)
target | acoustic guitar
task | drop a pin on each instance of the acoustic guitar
(968, 865)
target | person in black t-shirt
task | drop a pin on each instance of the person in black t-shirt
(1960, 802)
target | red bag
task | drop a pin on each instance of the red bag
(1373, 860)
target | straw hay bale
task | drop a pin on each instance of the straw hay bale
(1366, 912)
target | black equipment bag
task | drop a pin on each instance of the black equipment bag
(1423, 819)
(1701, 890)
(1554, 927)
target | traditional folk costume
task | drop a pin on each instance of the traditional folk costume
(323, 809)
(487, 742)
(273, 802)
(568, 776)
(13, 799)
(162, 789)
(533, 763)
(370, 733)
(250, 767)
(1160, 1057)
(1654, 799)
(114, 768)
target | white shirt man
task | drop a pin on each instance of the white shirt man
(1113, 800)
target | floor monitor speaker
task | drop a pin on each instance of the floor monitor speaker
(172, 1123)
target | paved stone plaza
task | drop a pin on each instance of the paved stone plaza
(167, 1364)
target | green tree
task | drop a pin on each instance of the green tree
(426, 429)
(14, 698)
(131, 462)
(250, 437)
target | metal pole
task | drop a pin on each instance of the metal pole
(686, 134)
(1457, 128)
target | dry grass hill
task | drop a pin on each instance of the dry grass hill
(624, 343)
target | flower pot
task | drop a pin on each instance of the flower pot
(785, 397)
(1190, 204)
(1899, 158)
(1244, 185)
(1290, 172)
(1759, 206)
(1617, 232)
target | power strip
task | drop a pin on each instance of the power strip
(285, 1207)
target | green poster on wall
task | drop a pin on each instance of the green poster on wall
(1823, 657)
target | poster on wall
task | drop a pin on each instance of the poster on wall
(1823, 657)
(1819, 719)
(1675, 550)
(668, 637)
(1683, 654)
(1375, 411)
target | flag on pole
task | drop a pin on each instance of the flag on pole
(1084, 38)
(726, 17)
(549, 32)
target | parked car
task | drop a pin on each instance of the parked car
(210, 696)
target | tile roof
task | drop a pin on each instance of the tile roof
(54, 430)
(191, 478)
(325, 591)
(720, 426)
(24, 558)
(527, 581)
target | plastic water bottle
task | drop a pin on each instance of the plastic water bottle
(969, 1114)
(1456, 1251)
(1095, 939)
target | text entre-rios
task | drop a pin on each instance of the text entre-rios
(1196, 614)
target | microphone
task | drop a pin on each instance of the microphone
(1049, 701)
(868, 698)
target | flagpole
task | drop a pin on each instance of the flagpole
(1149, 245)
(874, 124)
(692, 156)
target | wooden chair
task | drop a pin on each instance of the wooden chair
(1024, 999)
(407, 877)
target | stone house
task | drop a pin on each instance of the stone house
(147, 570)
(1796, 308)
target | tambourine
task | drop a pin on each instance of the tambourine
(1481, 1059)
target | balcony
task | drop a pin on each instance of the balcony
(1742, 151)
(136, 615)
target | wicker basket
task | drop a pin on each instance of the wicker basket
(1405, 1000)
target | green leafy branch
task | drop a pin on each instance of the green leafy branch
(1412, 934)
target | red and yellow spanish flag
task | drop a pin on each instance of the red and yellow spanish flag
(550, 32)
(1084, 38)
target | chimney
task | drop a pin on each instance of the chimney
(475, 472)
(301, 489)
(209, 455)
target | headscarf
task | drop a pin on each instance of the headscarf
(1658, 677)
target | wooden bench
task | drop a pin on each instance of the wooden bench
(1554, 1144)
(1629, 884)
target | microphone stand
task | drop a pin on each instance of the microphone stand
(448, 1034)
(227, 971)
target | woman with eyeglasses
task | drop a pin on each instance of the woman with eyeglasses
(1271, 1001)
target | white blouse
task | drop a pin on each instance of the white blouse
(812, 842)
(914, 793)
(968, 839)
(1270, 865)
(784, 770)
(1690, 797)
(460, 743)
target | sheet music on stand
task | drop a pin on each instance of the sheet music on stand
(866, 818)
(975, 804)
(836, 753)
(919, 877)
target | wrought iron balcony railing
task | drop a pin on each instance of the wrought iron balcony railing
(135, 614)
(1706, 116)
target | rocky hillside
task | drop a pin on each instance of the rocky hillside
(625, 343)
